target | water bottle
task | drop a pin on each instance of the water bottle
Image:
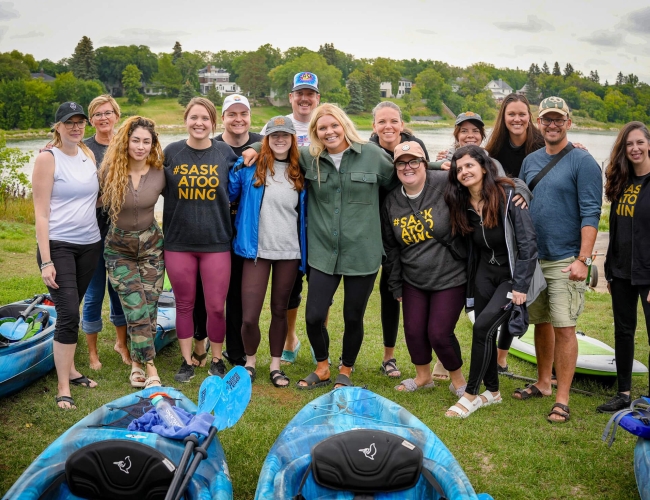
(166, 412)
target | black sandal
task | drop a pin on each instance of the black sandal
(277, 375)
(389, 368)
(200, 358)
(524, 394)
(252, 372)
(565, 414)
(65, 399)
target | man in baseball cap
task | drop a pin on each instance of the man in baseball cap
(554, 105)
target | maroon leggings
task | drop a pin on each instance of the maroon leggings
(429, 322)
(255, 280)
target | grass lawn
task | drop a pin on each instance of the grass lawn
(507, 450)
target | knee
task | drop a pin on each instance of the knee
(314, 316)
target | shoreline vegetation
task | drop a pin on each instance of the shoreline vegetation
(168, 115)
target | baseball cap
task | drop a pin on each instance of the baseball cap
(305, 80)
(554, 104)
(67, 110)
(408, 148)
(469, 115)
(234, 99)
(280, 124)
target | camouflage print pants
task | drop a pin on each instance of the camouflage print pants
(134, 260)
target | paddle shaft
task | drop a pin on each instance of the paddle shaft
(21, 319)
(199, 454)
(190, 443)
(529, 379)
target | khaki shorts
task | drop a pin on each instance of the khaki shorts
(562, 301)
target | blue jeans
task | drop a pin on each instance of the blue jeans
(94, 299)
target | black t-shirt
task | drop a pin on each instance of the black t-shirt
(252, 139)
(103, 220)
(490, 241)
(511, 157)
(621, 260)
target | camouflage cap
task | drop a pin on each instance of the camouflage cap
(554, 104)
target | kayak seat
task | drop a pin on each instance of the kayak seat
(119, 469)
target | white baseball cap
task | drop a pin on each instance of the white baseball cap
(234, 99)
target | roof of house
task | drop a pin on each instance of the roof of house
(500, 84)
(45, 77)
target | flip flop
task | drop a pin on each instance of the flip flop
(200, 358)
(290, 356)
(277, 375)
(135, 374)
(83, 381)
(411, 386)
(439, 372)
(65, 399)
(313, 381)
(343, 380)
(389, 368)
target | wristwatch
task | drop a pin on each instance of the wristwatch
(585, 260)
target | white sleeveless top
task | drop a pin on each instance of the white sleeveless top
(74, 195)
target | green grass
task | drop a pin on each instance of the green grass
(507, 450)
(17, 210)
(603, 223)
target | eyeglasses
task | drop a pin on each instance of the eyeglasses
(70, 125)
(415, 163)
(559, 122)
(107, 114)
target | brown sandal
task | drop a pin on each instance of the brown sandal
(200, 359)
(524, 394)
(565, 414)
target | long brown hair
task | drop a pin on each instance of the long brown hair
(617, 174)
(476, 123)
(501, 135)
(457, 196)
(265, 164)
(114, 172)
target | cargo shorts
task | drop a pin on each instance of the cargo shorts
(562, 301)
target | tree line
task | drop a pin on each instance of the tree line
(351, 82)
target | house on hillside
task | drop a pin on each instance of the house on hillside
(499, 89)
(403, 87)
(218, 78)
(42, 76)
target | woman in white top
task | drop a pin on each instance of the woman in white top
(65, 188)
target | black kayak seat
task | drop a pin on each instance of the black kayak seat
(119, 469)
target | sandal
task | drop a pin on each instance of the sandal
(289, 357)
(343, 381)
(565, 414)
(341, 364)
(276, 376)
(410, 385)
(389, 368)
(313, 381)
(83, 381)
(439, 372)
(470, 407)
(153, 381)
(200, 359)
(66, 399)
(457, 392)
(524, 394)
(490, 399)
(138, 377)
(252, 372)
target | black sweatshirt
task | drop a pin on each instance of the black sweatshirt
(196, 215)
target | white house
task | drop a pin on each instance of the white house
(385, 89)
(403, 87)
(499, 89)
(218, 78)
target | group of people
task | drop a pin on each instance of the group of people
(478, 229)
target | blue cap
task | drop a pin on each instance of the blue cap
(305, 80)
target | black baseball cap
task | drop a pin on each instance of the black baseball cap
(67, 110)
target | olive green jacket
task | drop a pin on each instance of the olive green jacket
(343, 223)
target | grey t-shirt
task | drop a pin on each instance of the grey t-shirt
(278, 227)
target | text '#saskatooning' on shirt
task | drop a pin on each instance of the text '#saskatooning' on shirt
(196, 215)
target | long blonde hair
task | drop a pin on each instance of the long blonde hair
(114, 172)
(57, 142)
(351, 135)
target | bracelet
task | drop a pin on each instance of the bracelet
(46, 264)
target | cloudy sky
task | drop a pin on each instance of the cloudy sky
(607, 36)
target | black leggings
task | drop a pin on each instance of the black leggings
(322, 288)
(234, 314)
(491, 288)
(625, 299)
(75, 266)
(389, 311)
(255, 281)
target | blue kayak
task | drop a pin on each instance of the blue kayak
(25, 361)
(642, 467)
(350, 408)
(47, 477)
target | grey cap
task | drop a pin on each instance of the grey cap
(280, 124)
(469, 115)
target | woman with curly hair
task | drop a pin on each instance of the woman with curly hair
(627, 267)
(132, 180)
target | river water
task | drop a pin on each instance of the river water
(599, 144)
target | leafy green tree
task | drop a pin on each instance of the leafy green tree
(631, 79)
(556, 69)
(253, 73)
(432, 87)
(620, 79)
(568, 70)
(294, 53)
(67, 87)
(572, 97)
(329, 77)
(12, 68)
(334, 57)
(83, 62)
(533, 93)
(53, 68)
(214, 96)
(186, 93)
(594, 105)
(483, 104)
(272, 56)
(593, 76)
(168, 76)
(387, 70)
(132, 83)
(224, 59)
(339, 96)
(413, 100)
(369, 84)
(111, 62)
(189, 65)
(616, 106)
(12, 160)
(177, 52)
(356, 97)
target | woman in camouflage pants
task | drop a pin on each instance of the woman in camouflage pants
(132, 180)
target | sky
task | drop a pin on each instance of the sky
(607, 36)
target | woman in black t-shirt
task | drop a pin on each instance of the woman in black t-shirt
(627, 267)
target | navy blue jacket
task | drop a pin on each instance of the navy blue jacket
(241, 186)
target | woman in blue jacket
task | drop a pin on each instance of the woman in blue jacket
(270, 227)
